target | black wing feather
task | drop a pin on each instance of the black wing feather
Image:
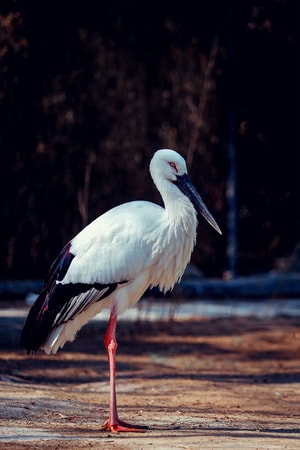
(59, 303)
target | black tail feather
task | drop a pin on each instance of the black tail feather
(59, 305)
(40, 318)
(36, 329)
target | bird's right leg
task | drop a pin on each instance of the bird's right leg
(114, 424)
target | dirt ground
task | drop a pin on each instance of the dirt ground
(230, 383)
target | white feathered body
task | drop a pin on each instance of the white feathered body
(138, 244)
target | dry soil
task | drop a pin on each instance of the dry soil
(230, 383)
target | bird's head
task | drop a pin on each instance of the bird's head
(168, 165)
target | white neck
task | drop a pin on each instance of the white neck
(178, 236)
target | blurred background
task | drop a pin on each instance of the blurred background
(89, 90)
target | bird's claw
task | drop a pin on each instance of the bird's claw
(121, 426)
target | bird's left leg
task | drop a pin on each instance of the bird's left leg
(114, 424)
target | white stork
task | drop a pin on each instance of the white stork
(113, 261)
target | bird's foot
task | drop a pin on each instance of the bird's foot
(119, 426)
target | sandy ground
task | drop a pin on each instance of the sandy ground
(225, 383)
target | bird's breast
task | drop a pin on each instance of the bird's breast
(173, 252)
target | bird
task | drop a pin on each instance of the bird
(111, 262)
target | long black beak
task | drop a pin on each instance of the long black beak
(186, 186)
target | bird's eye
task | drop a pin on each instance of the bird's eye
(173, 165)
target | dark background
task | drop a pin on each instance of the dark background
(89, 90)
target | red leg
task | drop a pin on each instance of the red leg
(114, 424)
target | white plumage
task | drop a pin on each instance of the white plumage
(112, 262)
